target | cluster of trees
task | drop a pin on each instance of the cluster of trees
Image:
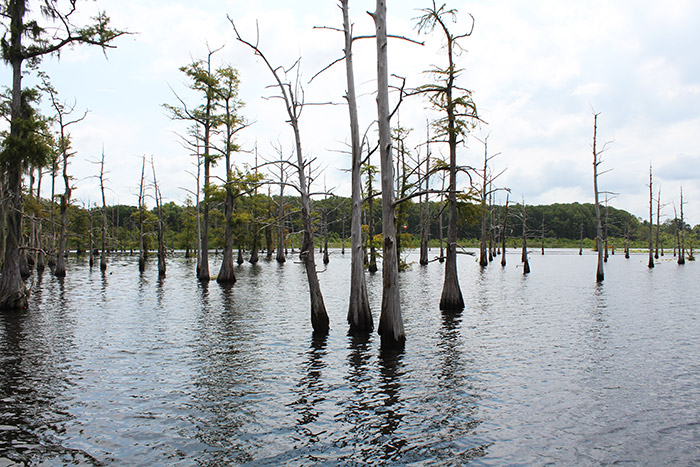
(257, 215)
(409, 199)
(34, 141)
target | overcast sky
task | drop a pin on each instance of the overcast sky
(538, 71)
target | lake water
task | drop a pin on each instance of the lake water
(549, 368)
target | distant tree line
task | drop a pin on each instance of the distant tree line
(256, 214)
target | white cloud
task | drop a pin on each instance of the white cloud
(537, 69)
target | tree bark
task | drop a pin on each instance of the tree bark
(391, 327)
(600, 273)
(359, 313)
(504, 233)
(681, 246)
(142, 252)
(13, 292)
(103, 253)
(651, 222)
(523, 257)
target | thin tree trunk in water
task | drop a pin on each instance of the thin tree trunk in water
(60, 270)
(319, 316)
(658, 224)
(103, 254)
(40, 260)
(651, 222)
(391, 327)
(605, 232)
(523, 257)
(268, 241)
(91, 261)
(542, 237)
(359, 314)
(681, 246)
(580, 242)
(372, 266)
(161, 239)
(600, 274)
(425, 211)
(239, 259)
(504, 234)
(142, 253)
(280, 221)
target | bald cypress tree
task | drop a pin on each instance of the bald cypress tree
(459, 112)
(31, 41)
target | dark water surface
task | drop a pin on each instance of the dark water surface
(548, 368)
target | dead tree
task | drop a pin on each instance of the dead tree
(159, 224)
(523, 255)
(651, 221)
(681, 245)
(103, 252)
(142, 208)
(62, 111)
(597, 160)
(658, 224)
(391, 327)
(359, 313)
(504, 234)
(292, 96)
(425, 211)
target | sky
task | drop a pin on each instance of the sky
(538, 71)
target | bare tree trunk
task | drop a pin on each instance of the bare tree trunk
(425, 211)
(651, 222)
(359, 314)
(142, 253)
(103, 254)
(280, 220)
(91, 261)
(542, 236)
(600, 274)
(523, 256)
(580, 242)
(319, 316)
(60, 270)
(161, 239)
(483, 258)
(658, 224)
(681, 246)
(605, 232)
(372, 265)
(504, 233)
(391, 327)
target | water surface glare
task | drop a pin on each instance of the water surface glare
(549, 368)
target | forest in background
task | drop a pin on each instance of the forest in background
(560, 225)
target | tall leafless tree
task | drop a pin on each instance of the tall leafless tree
(292, 96)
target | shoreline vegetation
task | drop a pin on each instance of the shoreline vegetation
(256, 217)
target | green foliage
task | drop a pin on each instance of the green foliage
(31, 144)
